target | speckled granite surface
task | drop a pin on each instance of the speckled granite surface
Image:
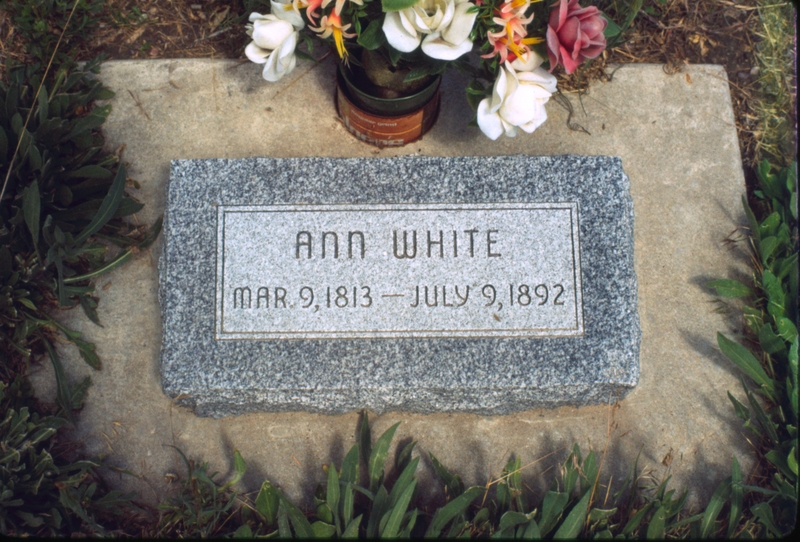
(483, 375)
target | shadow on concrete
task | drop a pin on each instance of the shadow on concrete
(709, 350)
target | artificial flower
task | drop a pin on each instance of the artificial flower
(574, 34)
(332, 24)
(520, 92)
(446, 25)
(274, 42)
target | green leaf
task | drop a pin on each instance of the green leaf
(772, 286)
(791, 460)
(753, 223)
(301, 525)
(332, 496)
(637, 518)
(655, 530)
(612, 28)
(107, 208)
(91, 172)
(283, 523)
(392, 528)
(451, 481)
(743, 359)
(396, 5)
(768, 246)
(729, 288)
(379, 507)
(573, 524)
(372, 37)
(42, 111)
(243, 532)
(532, 531)
(403, 481)
(365, 439)
(763, 512)
(31, 209)
(378, 457)
(761, 416)
(322, 530)
(239, 468)
(786, 329)
(455, 507)
(404, 457)
(742, 412)
(267, 502)
(770, 342)
(352, 528)
(3, 146)
(63, 391)
(737, 496)
(718, 499)
(512, 519)
(552, 507)
(349, 475)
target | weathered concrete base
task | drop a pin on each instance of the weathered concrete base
(678, 143)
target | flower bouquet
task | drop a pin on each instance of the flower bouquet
(390, 49)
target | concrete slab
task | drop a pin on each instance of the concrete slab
(677, 140)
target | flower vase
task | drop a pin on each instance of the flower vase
(381, 117)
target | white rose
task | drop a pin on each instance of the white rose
(517, 100)
(445, 24)
(274, 42)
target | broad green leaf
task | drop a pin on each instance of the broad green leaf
(604, 535)
(598, 514)
(776, 305)
(239, 468)
(333, 491)
(590, 472)
(377, 457)
(715, 504)
(532, 531)
(573, 524)
(403, 481)
(392, 528)
(396, 5)
(455, 507)
(352, 528)
(743, 359)
(770, 343)
(655, 530)
(768, 246)
(323, 530)
(301, 525)
(107, 208)
(267, 502)
(512, 519)
(31, 209)
(412, 520)
(283, 523)
(552, 507)
(612, 28)
(372, 37)
(729, 288)
(763, 512)
(791, 460)
(786, 329)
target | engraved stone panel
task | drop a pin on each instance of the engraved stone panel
(370, 271)
(482, 284)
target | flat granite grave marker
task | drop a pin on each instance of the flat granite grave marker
(428, 284)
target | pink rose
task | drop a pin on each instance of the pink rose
(574, 34)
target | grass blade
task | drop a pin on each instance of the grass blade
(377, 457)
(743, 359)
(552, 506)
(352, 528)
(451, 510)
(573, 525)
(403, 481)
(392, 528)
(31, 209)
(718, 499)
(299, 521)
(333, 492)
(107, 208)
(655, 530)
(736, 499)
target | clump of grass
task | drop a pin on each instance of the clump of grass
(777, 130)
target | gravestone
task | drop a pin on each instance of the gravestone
(426, 284)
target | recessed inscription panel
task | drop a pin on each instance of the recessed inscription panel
(394, 271)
